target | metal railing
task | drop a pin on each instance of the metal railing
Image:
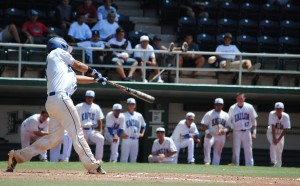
(240, 71)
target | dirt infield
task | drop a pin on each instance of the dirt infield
(146, 177)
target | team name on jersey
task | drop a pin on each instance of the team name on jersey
(87, 116)
(241, 116)
(217, 121)
(278, 126)
(116, 125)
(132, 123)
(162, 151)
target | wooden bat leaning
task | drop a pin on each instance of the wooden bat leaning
(135, 93)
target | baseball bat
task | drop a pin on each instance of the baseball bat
(133, 92)
(157, 75)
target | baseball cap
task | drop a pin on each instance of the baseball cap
(90, 93)
(96, 32)
(131, 101)
(279, 105)
(156, 38)
(227, 35)
(160, 129)
(144, 38)
(117, 106)
(190, 115)
(219, 101)
(33, 12)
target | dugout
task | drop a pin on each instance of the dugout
(20, 97)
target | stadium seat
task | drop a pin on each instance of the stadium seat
(229, 10)
(270, 11)
(15, 15)
(248, 27)
(57, 31)
(187, 25)
(269, 27)
(227, 25)
(125, 23)
(247, 43)
(249, 11)
(207, 25)
(134, 37)
(212, 8)
(268, 44)
(289, 45)
(169, 11)
(206, 42)
(289, 28)
(290, 11)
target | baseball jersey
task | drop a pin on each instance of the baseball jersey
(242, 118)
(215, 120)
(115, 123)
(106, 28)
(280, 124)
(89, 114)
(182, 129)
(59, 62)
(166, 147)
(114, 43)
(229, 48)
(86, 44)
(133, 124)
(81, 32)
(144, 55)
(33, 124)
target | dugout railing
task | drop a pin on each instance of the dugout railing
(22, 55)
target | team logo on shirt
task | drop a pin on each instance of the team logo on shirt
(116, 125)
(163, 151)
(217, 121)
(241, 116)
(279, 126)
(87, 116)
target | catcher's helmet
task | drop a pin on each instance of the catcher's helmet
(57, 42)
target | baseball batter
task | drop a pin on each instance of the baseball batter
(242, 116)
(91, 116)
(34, 128)
(115, 125)
(279, 123)
(163, 148)
(55, 155)
(215, 123)
(134, 129)
(61, 84)
(184, 135)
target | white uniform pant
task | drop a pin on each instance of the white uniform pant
(275, 150)
(242, 138)
(98, 139)
(154, 159)
(26, 138)
(217, 141)
(55, 155)
(189, 143)
(63, 116)
(114, 148)
(129, 149)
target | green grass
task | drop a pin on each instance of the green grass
(143, 167)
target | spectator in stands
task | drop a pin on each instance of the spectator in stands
(89, 11)
(190, 60)
(36, 31)
(9, 33)
(105, 9)
(232, 61)
(94, 42)
(64, 15)
(107, 27)
(160, 57)
(79, 31)
(193, 9)
(146, 58)
(121, 58)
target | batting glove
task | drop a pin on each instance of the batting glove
(96, 74)
(102, 80)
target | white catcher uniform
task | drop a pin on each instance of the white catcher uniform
(89, 116)
(214, 121)
(134, 122)
(30, 125)
(242, 119)
(55, 155)
(114, 126)
(280, 124)
(166, 147)
(181, 141)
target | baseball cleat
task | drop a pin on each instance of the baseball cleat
(12, 162)
(254, 67)
(171, 47)
(99, 170)
(184, 47)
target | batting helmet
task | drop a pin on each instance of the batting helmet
(57, 42)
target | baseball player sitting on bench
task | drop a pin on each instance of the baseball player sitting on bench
(163, 148)
(184, 135)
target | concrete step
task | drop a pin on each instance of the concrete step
(145, 20)
(131, 11)
(150, 29)
(124, 4)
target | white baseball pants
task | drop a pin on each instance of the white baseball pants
(189, 143)
(217, 141)
(129, 149)
(114, 147)
(242, 138)
(275, 150)
(98, 139)
(154, 159)
(55, 155)
(63, 115)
